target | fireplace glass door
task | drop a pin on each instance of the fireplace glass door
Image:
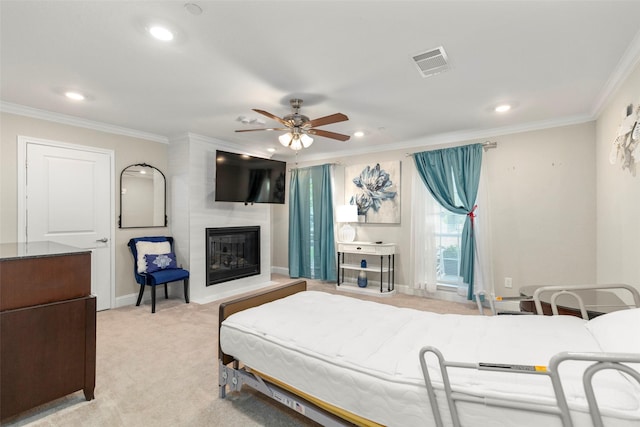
(232, 253)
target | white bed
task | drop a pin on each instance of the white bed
(363, 357)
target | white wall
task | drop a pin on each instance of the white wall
(618, 195)
(542, 197)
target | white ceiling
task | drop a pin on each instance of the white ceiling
(555, 61)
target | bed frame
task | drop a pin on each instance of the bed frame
(232, 376)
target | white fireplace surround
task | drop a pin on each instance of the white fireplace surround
(193, 209)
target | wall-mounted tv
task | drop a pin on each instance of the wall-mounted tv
(247, 179)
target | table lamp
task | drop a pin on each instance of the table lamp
(346, 214)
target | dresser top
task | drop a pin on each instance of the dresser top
(35, 249)
(366, 243)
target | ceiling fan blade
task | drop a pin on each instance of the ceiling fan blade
(253, 130)
(271, 116)
(327, 120)
(327, 134)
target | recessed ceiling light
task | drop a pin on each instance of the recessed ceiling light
(76, 96)
(161, 33)
(503, 108)
(358, 133)
(271, 150)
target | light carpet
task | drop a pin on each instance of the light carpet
(161, 369)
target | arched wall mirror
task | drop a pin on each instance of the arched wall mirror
(143, 197)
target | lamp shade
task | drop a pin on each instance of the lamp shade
(296, 144)
(306, 140)
(347, 213)
(285, 139)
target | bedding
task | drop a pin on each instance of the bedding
(362, 357)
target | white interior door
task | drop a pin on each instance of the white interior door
(68, 199)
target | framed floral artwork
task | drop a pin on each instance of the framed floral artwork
(375, 190)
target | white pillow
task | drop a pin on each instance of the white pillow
(618, 331)
(150, 248)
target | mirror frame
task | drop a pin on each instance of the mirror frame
(165, 197)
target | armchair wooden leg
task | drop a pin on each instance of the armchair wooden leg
(186, 291)
(166, 294)
(140, 294)
(153, 299)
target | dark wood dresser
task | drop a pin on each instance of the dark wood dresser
(47, 325)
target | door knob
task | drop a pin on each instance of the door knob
(103, 240)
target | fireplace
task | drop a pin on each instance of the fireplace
(232, 253)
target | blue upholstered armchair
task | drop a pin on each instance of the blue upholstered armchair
(154, 263)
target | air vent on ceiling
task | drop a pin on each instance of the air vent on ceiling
(431, 62)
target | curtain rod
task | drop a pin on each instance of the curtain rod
(487, 145)
(334, 163)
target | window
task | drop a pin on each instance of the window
(447, 241)
(437, 235)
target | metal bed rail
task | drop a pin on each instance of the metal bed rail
(557, 291)
(602, 361)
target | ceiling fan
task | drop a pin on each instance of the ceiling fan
(299, 127)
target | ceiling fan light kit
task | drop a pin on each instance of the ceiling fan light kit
(296, 141)
(300, 127)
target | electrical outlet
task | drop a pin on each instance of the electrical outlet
(508, 282)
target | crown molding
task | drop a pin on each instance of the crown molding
(630, 59)
(36, 113)
(449, 138)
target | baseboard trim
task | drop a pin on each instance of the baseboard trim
(130, 299)
(284, 271)
(126, 300)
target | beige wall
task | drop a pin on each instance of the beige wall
(618, 195)
(127, 151)
(542, 204)
(542, 186)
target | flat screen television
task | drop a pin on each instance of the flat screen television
(247, 179)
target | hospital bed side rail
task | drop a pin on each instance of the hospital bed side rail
(602, 361)
(557, 291)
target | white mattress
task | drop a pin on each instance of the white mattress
(363, 357)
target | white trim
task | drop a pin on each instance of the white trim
(21, 190)
(126, 300)
(626, 65)
(449, 138)
(36, 113)
(174, 292)
(283, 271)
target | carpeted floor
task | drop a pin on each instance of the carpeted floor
(161, 370)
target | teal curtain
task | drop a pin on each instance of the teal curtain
(445, 171)
(311, 242)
